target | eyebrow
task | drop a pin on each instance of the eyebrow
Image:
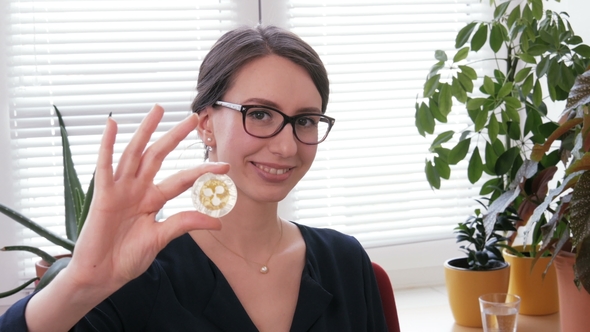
(266, 102)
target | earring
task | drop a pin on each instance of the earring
(209, 139)
(208, 148)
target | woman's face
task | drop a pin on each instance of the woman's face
(264, 169)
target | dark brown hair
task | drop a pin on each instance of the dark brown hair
(237, 47)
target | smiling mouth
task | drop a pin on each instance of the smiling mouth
(270, 170)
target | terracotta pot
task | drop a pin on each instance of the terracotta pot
(538, 295)
(464, 288)
(573, 302)
(41, 266)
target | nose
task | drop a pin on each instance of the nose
(284, 143)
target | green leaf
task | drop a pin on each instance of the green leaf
(505, 161)
(522, 74)
(431, 85)
(496, 37)
(489, 186)
(512, 114)
(528, 58)
(440, 139)
(445, 101)
(440, 55)
(491, 156)
(493, 128)
(479, 38)
(432, 175)
(73, 194)
(435, 68)
(537, 49)
(512, 102)
(424, 119)
(459, 152)
(469, 72)
(461, 54)
(574, 40)
(513, 17)
(542, 67)
(537, 9)
(433, 104)
(527, 85)
(505, 90)
(18, 289)
(514, 128)
(466, 82)
(583, 50)
(480, 120)
(464, 34)
(488, 85)
(87, 202)
(501, 10)
(442, 167)
(53, 270)
(475, 168)
(537, 94)
(43, 254)
(475, 103)
(30, 224)
(458, 91)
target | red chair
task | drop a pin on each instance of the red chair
(387, 298)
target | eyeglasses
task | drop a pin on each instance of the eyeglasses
(264, 122)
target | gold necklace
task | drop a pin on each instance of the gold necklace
(264, 268)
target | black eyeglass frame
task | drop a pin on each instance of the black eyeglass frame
(286, 119)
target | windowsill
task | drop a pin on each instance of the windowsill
(427, 309)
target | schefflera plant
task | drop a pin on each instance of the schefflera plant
(536, 56)
(76, 205)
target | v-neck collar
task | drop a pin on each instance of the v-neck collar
(312, 300)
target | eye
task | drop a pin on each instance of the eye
(307, 121)
(260, 114)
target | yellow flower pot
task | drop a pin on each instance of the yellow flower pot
(538, 295)
(464, 287)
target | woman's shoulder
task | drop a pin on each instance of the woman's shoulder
(326, 241)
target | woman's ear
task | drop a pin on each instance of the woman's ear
(205, 126)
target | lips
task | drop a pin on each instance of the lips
(272, 170)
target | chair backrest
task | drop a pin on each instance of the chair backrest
(387, 298)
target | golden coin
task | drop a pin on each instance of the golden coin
(214, 194)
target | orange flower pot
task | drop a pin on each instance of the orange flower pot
(465, 286)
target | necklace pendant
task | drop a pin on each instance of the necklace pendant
(264, 269)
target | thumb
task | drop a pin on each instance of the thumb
(183, 222)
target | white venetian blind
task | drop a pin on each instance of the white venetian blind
(368, 178)
(91, 58)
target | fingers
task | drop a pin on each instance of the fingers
(152, 158)
(104, 164)
(183, 222)
(181, 181)
(131, 156)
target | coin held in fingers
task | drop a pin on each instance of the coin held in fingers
(214, 194)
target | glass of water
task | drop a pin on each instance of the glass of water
(499, 312)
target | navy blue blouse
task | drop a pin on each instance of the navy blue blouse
(184, 291)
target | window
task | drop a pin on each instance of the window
(368, 180)
(90, 58)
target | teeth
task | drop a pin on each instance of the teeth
(272, 170)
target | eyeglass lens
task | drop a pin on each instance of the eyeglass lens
(265, 122)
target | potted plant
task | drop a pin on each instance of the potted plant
(76, 204)
(482, 271)
(567, 232)
(536, 57)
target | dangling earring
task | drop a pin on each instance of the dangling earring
(208, 148)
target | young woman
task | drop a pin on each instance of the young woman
(260, 105)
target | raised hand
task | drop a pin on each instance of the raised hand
(121, 237)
